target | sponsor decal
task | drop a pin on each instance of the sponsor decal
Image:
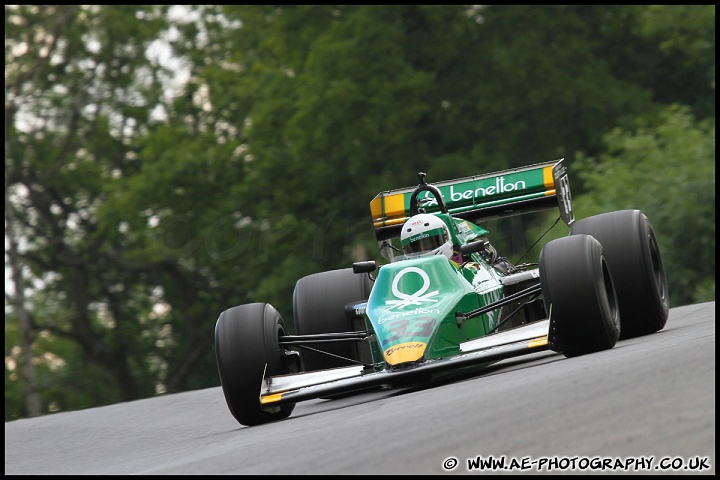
(417, 298)
(491, 297)
(404, 352)
(417, 311)
(566, 198)
(500, 186)
(417, 237)
(491, 320)
(440, 232)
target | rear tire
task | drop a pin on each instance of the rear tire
(319, 302)
(632, 251)
(246, 340)
(579, 296)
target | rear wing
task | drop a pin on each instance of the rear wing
(516, 191)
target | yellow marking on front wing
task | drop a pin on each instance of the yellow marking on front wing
(538, 342)
(275, 397)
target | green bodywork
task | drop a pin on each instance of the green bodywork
(414, 302)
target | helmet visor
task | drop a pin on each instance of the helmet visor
(425, 241)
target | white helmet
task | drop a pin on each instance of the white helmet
(425, 234)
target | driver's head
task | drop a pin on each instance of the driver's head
(425, 234)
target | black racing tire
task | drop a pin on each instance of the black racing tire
(579, 296)
(632, 251)
(246, 340)
(319, 302)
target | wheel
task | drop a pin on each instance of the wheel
(319, 307)
(246, 340)
(579, 296)
(632, 252)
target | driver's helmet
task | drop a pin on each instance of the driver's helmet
(425, 234)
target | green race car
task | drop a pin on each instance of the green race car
(444, 302)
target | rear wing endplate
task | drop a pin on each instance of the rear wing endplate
(516, 191)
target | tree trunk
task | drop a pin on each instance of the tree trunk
(17, 300)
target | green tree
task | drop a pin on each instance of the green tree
(666, 168)
(72, 108)
(152, 192)
(378, 93)
(680, 65)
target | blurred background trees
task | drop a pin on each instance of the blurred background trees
(164, 163)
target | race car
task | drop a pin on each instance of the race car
(419, 317)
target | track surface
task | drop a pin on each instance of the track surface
(649, 398)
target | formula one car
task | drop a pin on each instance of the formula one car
(421, 316)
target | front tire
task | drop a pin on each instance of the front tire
(632, 251)
(246, 340)
(579, 296)
(319, 302)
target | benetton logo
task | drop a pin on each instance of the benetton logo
(416, 298)
(499, 187)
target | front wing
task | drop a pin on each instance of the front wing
(286, 389)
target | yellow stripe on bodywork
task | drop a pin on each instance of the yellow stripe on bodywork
(275, 397)
(548, 178)
(538, 342)
(394, 208)
(388, 210)
(549, 181)
(376, 209)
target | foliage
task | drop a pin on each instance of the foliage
(670, 160)
(168, 162)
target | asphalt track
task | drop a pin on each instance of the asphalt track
(650, 399)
